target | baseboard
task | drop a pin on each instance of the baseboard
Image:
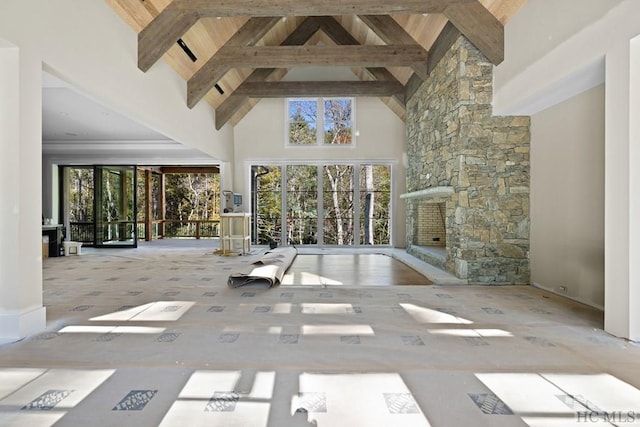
(14, 327)
(580, 300)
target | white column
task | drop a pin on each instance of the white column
(21, 310)
(622, 189)
(634, 190)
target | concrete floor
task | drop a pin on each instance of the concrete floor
(153, 336)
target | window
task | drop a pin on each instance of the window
(321, 121)
(322, 203)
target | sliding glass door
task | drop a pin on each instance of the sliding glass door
(115, 206)
(321, 204)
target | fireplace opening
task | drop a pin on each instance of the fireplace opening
(430, 225)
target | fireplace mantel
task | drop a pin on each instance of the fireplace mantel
(429, 193)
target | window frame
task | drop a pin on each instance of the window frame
(357, 209)
(320, 122)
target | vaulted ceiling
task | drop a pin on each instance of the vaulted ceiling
(232, 53)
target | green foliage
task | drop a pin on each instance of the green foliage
(187, 196)
(338, 192)
(301, 132)
(302, 209)
(269, 203)
(81, 186)
(336, 119)
(192, 196)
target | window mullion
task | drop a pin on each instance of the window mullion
(356, 204)
(320, 206)
(283, 206)
(320, 122)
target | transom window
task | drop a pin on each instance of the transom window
(320, 121)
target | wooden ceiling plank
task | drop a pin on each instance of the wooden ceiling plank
(161, 33)
(296, 56)
(482, 29)
(391, 32)
(322, 88)
(312, 7)
(214, 69)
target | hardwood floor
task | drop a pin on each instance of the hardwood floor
(351, 270)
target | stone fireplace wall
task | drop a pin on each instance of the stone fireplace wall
(454, 141)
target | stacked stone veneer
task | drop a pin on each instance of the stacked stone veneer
(453, 140)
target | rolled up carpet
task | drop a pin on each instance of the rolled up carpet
(267, 272)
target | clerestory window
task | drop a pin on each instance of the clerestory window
(320, 121)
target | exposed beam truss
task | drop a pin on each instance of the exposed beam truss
(233, 103)
(311, 7)
(301, 35)
(346, 56)
(180, 15)
(467, 17)
(214, 69)
(393, 34)
(482, 29)
(157, 37)
(315, 89)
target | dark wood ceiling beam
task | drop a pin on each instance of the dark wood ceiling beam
(165, 29)
(214, 69)
(332, 28)
(331, 56)
(391, 32)
(479, 25)
(442, 44)
(341, 36)
(232, 104)
(228, 108)
(440, 47)
(312, 7)
(322, 88)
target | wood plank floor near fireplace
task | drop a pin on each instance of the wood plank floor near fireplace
(351, 270)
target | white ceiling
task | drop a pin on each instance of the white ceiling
(76, 129)
(79, 130)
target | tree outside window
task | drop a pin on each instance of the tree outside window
(321, 121)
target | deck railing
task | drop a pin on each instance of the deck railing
(161, 229)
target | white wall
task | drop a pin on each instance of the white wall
(537, 72)
(87, 45)
(600, 50)
(541, 26)
(567, 197)
(260, 137)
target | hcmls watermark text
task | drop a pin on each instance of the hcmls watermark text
(608, 417)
